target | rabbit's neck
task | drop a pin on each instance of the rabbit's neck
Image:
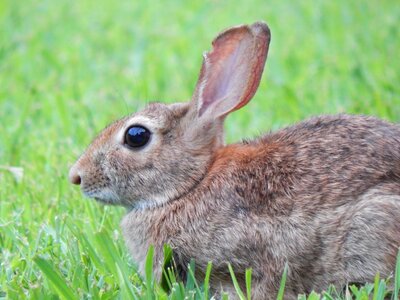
(191, 212)
(161, 225)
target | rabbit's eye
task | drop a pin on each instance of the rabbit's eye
(137, 136)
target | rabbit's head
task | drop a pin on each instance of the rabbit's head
(163, 151)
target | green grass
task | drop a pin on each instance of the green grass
(68, 68)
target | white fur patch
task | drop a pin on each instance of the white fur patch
(107, 195)
(156, 201)
(150, 124)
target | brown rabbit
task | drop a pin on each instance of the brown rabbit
(322, 195)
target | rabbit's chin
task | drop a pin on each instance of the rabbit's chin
(105, 195)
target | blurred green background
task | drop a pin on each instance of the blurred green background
(68, 68)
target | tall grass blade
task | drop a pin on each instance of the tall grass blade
(328, 297)
(191, 271)
(55, 278)
(283, 283)
(236, 284)
(190, 278)
(379, 288)
(149, 273)
(248, 283)
(313, 296)
(171, 276)
(167, 250)
(376, 286)
(397, 278)
(207, 280)
(166, 283)
(168, 261)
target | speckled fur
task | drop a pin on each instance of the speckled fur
(322, 195)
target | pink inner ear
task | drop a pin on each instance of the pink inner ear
(227, 75)
(222, 68)
(231, 72)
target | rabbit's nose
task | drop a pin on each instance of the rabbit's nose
(74, 177)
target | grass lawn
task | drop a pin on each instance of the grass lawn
(68, 68)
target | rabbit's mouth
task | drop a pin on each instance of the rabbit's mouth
(104, 195)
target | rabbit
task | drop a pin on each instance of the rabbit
(322, 196)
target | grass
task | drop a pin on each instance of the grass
(68, 68)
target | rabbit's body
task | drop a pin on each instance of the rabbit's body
(323, 195)
(288, 196)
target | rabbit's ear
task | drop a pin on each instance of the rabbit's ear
(232, 70)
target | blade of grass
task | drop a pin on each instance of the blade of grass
(189, 278)
(379, 288)
(165, 282)
(236, 284)
(55, 278)
(354, 289)
(328, 297)
(149, 273)
(248, 283)
(347, 293)
(172, 276)
(207, 279)
(194, 281)
(397, 278)
(283, 283)
(313, 296)
(376, 286)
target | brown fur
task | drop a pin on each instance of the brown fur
(322, 195)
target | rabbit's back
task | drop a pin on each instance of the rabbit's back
(338, 157)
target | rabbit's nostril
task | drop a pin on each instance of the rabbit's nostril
(76, 179)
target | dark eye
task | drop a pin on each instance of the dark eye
(137, 136)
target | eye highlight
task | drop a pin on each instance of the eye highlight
(137, 136)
